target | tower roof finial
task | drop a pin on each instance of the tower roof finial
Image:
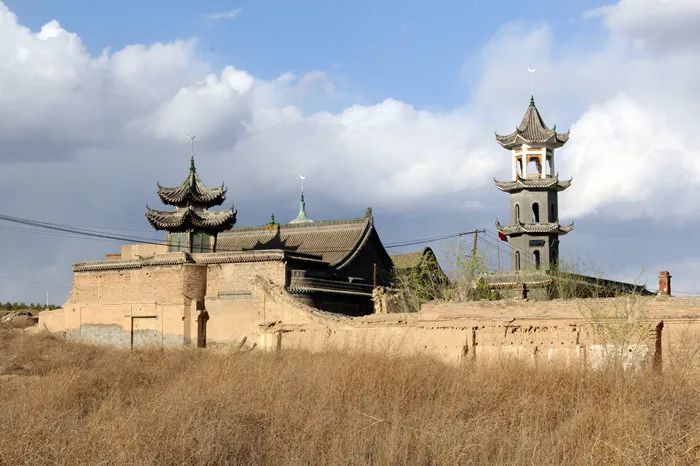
(301, 217)
(532, 100)
(192, 168)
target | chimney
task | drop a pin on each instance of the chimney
(664, 283)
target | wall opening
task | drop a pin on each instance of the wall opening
(535, 212)
(145, 332)
(536, 257)
(534, 167)
(516, 214)
(517, 260)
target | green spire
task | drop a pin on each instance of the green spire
(532, 100)
(301, 217)
(272, 219)
(192, 168)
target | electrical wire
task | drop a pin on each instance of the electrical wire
(100, 234)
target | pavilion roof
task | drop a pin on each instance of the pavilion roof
(189, 219)
(533, 130)
(552, 183)
(535, 228)
(192, 191)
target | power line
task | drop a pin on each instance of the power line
(100, 234)
(430, 240)
(34, 282)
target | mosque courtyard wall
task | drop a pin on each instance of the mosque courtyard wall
(158, 304)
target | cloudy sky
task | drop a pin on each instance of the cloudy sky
(385, 104)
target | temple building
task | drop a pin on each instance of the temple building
(192, 227)
(210, 283)
(534, 228)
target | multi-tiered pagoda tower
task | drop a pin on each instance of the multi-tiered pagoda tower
(534, 228)
(192, 227)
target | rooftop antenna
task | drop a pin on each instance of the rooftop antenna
(531, 70)
(191, 138)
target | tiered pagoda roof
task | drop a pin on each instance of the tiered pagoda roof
(192, 192)
(549, 183)
(534, 228)
(188, 219)
(192, 199)
(533, 130)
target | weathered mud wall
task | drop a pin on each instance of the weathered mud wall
(159, 303)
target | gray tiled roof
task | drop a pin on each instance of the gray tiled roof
(188, 219)
(407, 260)
(332, 241)
(535, 228)
(532, 129)
(192, 192)
(551, 183)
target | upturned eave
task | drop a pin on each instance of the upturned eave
(520, 184)
(535, 228)
(190, 220)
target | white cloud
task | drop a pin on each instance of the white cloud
(654, 24)
(100, 130)
(223, 15)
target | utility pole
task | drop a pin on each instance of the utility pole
(475, 242)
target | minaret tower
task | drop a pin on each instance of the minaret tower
(534, 228)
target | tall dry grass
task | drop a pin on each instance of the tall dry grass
(67, 403)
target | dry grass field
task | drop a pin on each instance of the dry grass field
(67, 403)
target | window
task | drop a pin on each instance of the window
(535, 212)
(178, 242)
(534, 167)
(536, 256)
(517, 260)
(200, 242)
(516, 214)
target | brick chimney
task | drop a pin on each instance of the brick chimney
(664, 283)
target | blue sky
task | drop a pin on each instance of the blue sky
(388, 104)
(416, 51)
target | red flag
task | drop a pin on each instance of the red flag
(502, 237)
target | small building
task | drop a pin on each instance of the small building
(343, 260)
(420, 264)
(418, 278)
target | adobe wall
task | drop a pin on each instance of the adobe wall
(137, 306)
(233, 307)
(156, 302)
(564, 331)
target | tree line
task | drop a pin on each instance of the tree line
(15, 306)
